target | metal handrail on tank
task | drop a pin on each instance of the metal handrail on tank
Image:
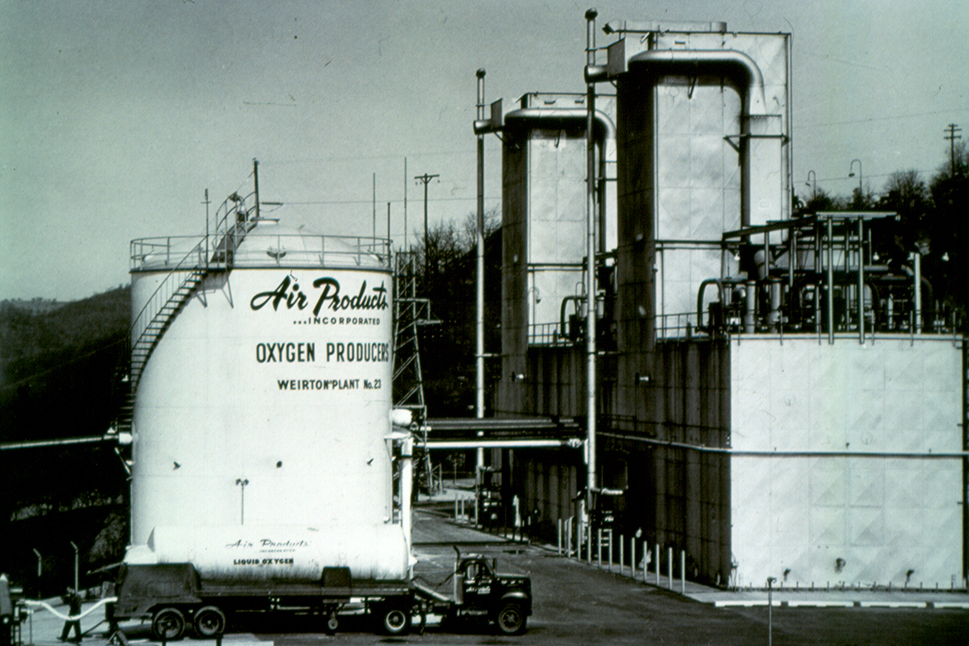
(191, 267)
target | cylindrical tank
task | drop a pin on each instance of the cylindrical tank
(278, 553)
(267, 398)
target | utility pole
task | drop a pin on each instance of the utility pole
(951, 137)
(425, 179)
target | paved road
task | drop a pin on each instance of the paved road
(576, 603)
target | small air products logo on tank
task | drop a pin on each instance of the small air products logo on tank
(289, 294)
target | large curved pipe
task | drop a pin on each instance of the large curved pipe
(699, 300)
(753, 95)
(602, 121)
(564, 114)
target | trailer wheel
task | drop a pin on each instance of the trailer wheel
(209, 622)
(168, 624)
(332, 623)
(511, 619)
(394, 619)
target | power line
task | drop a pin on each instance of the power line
(894, 118)
(432, 199)
(319, 160)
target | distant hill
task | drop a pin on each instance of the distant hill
(60, 377)
(59, 365)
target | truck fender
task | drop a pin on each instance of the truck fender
(518, 596)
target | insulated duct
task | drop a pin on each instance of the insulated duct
(761, 135)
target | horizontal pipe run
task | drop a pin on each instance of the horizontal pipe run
(36, 444)
(786, 454)
(502, 444)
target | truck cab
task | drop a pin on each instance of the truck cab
(480, 590)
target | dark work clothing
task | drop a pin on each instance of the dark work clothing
(74, 605)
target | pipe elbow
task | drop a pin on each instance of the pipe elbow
(708, 60)
(596, 73)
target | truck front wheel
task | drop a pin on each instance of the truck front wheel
(511, 619)
(394, 619)
(209, 622)
(168, 624)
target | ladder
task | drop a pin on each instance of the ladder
(410, 313)
(182, 281)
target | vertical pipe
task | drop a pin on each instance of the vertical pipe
(750, 316)
(861, 281)
(373, 200)
(658, 564)
(479, 407)
(406, 483)
(599, 547)
(829, 243)
(390, 241)
(77, 568)
(255, 181)
(918, 291)
(406, 180)
(590, 279)
(558, 536)
(817, 286)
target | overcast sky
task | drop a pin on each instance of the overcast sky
(116, 115)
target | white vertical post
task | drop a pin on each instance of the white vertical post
(682, 571)
(657, 564)
(632, 557)
(622, 561)
(599, 547)
(669, 558)
(558, 525)
(611, 537)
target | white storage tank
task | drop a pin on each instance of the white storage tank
(266, 400)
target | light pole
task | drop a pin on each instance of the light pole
(770, 609)
(812, 181)
(851, 173)
(242, 482)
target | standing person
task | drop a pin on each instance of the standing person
(74, 605)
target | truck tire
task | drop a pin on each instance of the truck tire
(209, 622)
(511, 619)
(168, 624)
(394, 619)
